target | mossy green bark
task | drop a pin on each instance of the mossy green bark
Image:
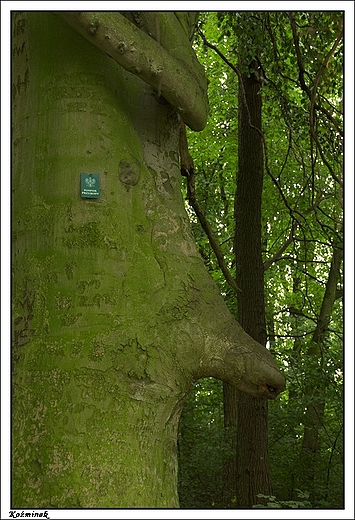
(89, 283)
(114, 314)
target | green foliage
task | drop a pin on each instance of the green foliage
(302, 57)
(202, 447)
(273, 503)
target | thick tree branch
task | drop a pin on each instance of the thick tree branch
(184, 86)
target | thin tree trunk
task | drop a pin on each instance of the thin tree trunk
(316, 394)
(253, 474)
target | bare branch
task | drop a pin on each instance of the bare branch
(296, 42)
(282, 249)
(312, 93)
(209, 232)
(188, 171)
(265, 149)
(291, 236)
(320, 72)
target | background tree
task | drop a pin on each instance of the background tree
(114, 314)
(252, 466)
(301, 54)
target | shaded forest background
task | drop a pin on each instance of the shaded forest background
(297, 58)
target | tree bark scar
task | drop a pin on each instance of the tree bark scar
(157, 33)
(186, 161)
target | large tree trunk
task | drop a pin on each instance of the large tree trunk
(114, 313)
(253, 473)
